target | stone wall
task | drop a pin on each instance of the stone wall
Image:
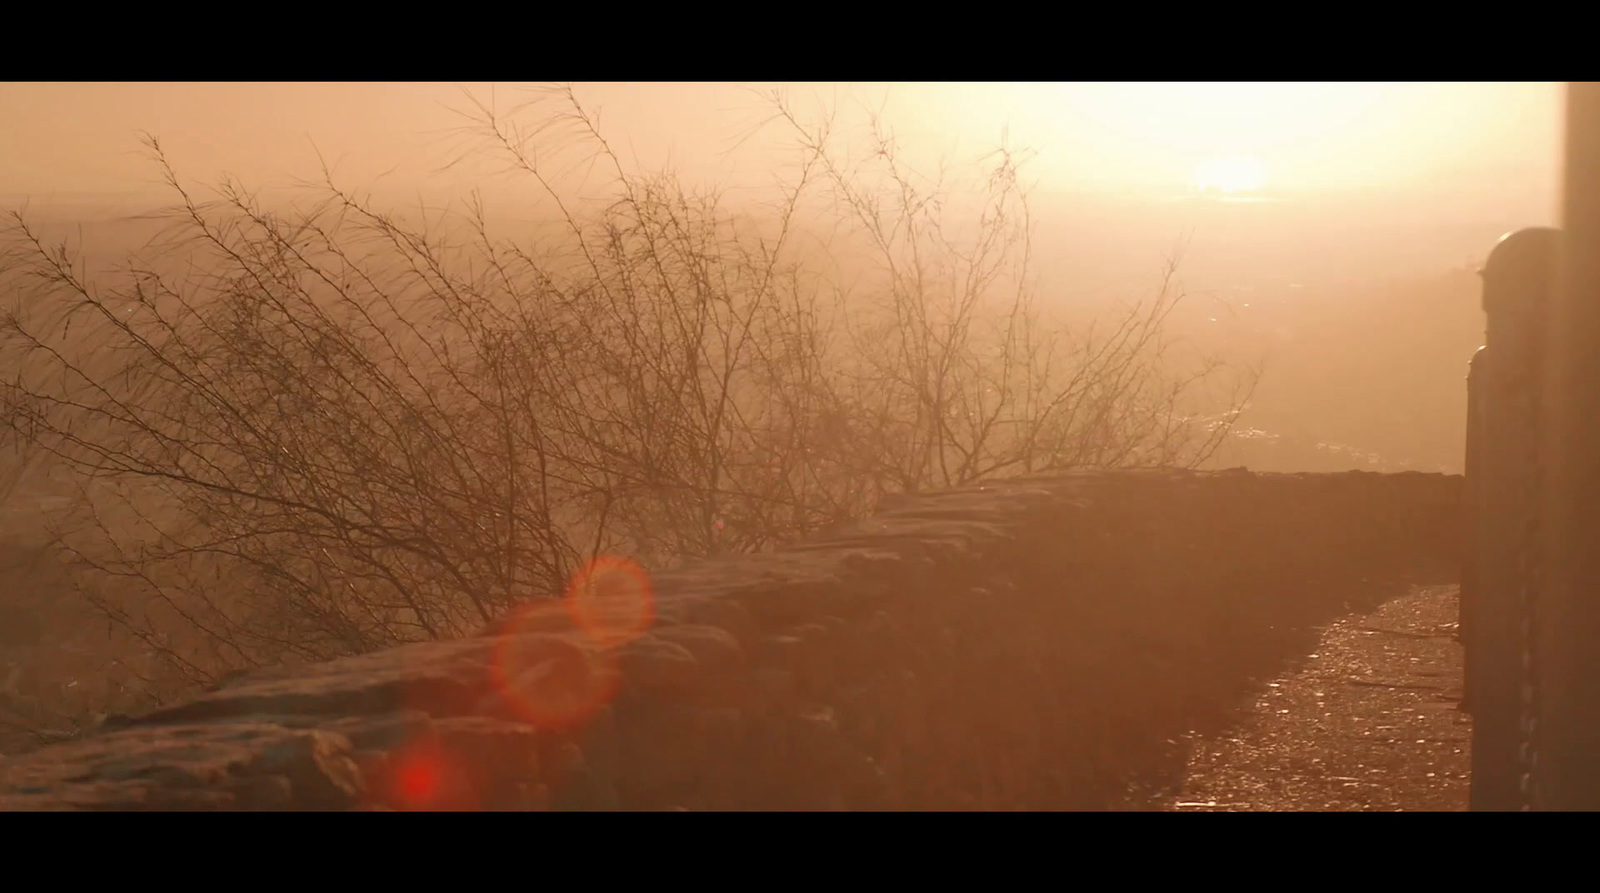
(1034, 644)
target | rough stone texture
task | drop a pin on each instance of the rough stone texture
(1032, 644)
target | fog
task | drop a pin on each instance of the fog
(687, 388)
(1370, 179)
(1366, 200)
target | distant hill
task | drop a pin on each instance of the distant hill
(1375, 373)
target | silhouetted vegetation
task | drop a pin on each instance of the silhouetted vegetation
(326, 431)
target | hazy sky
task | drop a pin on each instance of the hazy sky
(1370, 179)
(1494, 141)
(1343, 182)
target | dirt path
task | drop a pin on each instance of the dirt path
(1368, 722)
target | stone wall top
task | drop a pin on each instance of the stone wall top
(1009, 645)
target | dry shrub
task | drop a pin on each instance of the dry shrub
(332, 429)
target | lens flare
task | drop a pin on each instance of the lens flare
(551, 682)
(417, 782)
(611, 600)
(422, 777)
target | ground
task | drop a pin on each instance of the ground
(1370, 721)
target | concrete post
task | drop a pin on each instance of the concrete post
(1568, 612)
(1467, 628)
(1502, 485)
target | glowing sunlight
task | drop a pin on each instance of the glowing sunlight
(1230, 174)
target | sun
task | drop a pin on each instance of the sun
(1230, 174)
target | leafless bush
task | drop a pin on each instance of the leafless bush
(335, 430)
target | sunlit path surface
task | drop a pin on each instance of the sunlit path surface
(1369, 721)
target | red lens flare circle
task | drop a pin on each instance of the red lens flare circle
(611, 600)
(417, 781)
(422, 777)
(552, 682)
